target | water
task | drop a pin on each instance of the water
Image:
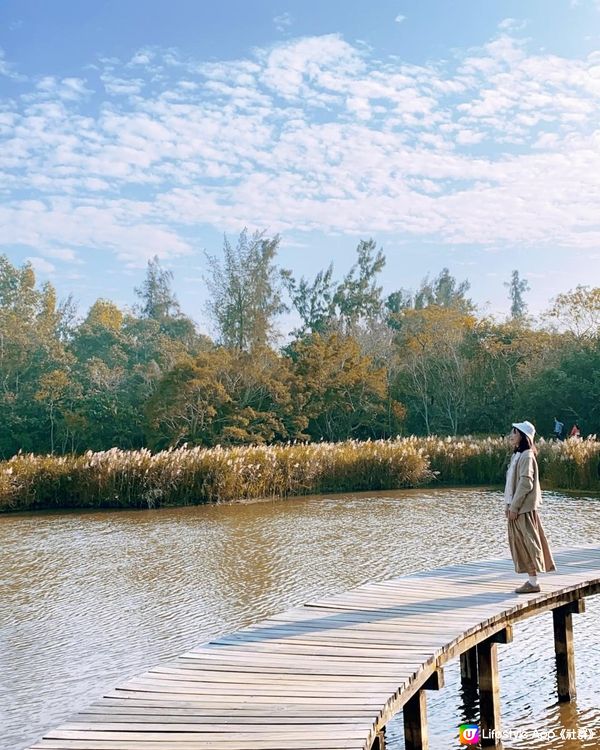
(90, 599)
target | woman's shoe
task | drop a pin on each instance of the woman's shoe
(528, 588)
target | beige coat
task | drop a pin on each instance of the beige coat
(526, 491)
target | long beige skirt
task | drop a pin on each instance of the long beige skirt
(528, 544)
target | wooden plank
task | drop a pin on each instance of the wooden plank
(315, 689)
(210, 675)
(263, 699)
(232, 734)
(198, 745)
(213, 723)
(230, 713)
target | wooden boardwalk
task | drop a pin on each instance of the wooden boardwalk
(327, 675)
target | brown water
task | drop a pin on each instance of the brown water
(89, 599)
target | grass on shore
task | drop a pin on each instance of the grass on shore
(192, 476)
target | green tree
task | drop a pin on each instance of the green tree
(358, 296)
(159, 303)
(443, 291)
(325, 305)
(32, 326)
(313, 301)
(245, 292)
(517, 287)
(567, 384)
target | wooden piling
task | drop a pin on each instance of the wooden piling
(416, 735)
(468, 668)
(562, 618)
(489, 687)
(415, 722)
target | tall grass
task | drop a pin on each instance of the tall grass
(573, 464)
(191, 476)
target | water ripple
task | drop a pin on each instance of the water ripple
(90, 599)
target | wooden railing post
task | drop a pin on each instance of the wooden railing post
(562, 618)
(489, 687)
(379, 741)
(416, 736)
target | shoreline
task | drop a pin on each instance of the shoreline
(359, 494)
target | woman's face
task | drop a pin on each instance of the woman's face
(514, 438)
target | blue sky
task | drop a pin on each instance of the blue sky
(461, 134)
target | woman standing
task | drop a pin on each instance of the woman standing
(528, 545)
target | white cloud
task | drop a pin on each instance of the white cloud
(283, 21)
(512, 24)
(40, 265)
(144, 57)
(7, 69)
(400, 18)
(62, 253)
(122, 86)
(468, 137)
(315, 133)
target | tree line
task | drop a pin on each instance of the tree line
(359, 364)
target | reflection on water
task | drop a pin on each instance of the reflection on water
(89, 599)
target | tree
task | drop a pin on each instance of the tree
(344, 393)
(159, 303)
(325, 305)
(434, 366)
(245, 292)
(358, 297)
(158, 300)
(443, 291)
(189, 401)
(396, 302)
(578, 312)
(516, 289)
(226, 397)
(31, 350)
(101, 334)
(567, 383)
(314, 302)
(503, 359)
(54, 388)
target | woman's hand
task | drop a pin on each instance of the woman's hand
(512, 515)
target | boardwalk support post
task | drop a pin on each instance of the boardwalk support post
(564, 648)
(415, 713)
(489, 686)
(379, 741)
(468, 668)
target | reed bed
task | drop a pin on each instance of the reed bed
(192, 476)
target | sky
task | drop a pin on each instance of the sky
(456, 133)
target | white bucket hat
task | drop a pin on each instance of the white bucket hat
(525, 427)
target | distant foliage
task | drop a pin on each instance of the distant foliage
(358, 365)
